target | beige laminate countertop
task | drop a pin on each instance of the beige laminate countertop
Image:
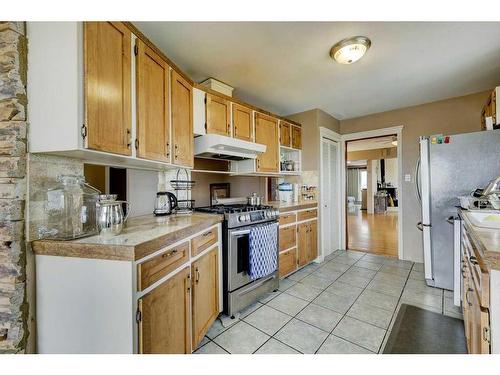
(486, 240)
(286, 207)
(140, 237)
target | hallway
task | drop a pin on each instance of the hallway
(373, 233)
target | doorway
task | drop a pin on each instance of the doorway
(372, 192)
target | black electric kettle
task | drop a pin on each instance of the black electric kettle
(165, 203)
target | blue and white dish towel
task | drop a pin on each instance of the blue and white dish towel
(263, 254)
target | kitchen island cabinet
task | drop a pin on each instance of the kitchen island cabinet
(142, 291)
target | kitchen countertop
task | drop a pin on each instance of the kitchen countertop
(286, 207)
(486, 240)
(140, 237)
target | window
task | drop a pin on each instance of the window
(364, 179)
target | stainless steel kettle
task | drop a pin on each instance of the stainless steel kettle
(165, 203)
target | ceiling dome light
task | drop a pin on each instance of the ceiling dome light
(350, 50)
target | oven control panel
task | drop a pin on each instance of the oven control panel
(237, 219)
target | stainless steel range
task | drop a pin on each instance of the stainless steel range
(239, 290)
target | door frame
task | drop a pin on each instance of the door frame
(335, 137)
(398, 130)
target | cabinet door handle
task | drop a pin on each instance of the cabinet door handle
(197, 280)
(169, 253)
(467, 296)
(129, 139)
(188, 282)
(473, 260)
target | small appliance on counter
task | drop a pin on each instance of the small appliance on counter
(70, 209)
(285, 192)
(110, 216)
(165, 203)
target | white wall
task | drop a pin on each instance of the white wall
(391, 171)
(142, 187)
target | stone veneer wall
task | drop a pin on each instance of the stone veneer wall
(13, 103)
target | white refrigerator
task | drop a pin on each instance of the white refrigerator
(449, 167)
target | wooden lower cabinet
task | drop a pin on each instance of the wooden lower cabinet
(307, 242)
(313, 241)
(287, 238)
(205, 294)
(287, 262)
(302, 240)
(165, 317)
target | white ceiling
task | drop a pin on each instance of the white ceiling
(285, 67)
(370, 144)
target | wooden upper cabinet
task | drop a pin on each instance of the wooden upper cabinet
(182, 121)
(285, 135)
(266, 133)
(296, 136)
(107, 50)
(218, 111)
(242, 122)
(153, 126)
(165, 312)
(205, 294)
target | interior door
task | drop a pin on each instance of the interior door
(153, 112)
(107, 49)
(329, 196)
(205, 294)
(182, 121)
(165, 324)
(217, 115)
(266, 133)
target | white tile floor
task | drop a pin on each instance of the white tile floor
(346, 304)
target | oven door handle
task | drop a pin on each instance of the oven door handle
(240, 232)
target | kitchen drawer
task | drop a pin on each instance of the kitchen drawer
(154, 269)
(308, 214)
(288, 218)
(287, 262)
(478, 271)
(287, 237)
(204, 241)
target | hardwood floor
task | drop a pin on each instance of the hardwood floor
(374, 233)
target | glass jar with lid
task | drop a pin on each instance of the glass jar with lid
(70, 209)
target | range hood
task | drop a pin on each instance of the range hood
(220, 147)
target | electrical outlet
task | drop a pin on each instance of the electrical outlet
(407, 177)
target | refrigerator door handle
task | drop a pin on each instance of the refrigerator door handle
(417, 180)
(457, 259)
(420, 227)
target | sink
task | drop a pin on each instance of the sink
(485, 219)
